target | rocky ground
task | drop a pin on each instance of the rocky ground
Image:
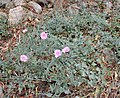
(17, 10)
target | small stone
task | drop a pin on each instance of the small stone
(92, 3)
(19, 2)
(50, 5)
(36, 6)
(37, 20)
(16, 15)
(67, 91)
(77, 97)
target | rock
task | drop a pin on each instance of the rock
(58, 5)
(35, 6)
(77, 97)
(16, 15)
(5, 1)
(19, 2)
(10, 5)
(92, 3)
(41, 2)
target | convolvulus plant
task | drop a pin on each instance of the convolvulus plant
(68, 52)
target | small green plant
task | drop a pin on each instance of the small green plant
(36, 58)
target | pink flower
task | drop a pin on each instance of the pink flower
(43, 35)
(57, 53)
(65, 49)
(23, 58)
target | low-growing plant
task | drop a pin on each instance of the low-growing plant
(34, 57)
